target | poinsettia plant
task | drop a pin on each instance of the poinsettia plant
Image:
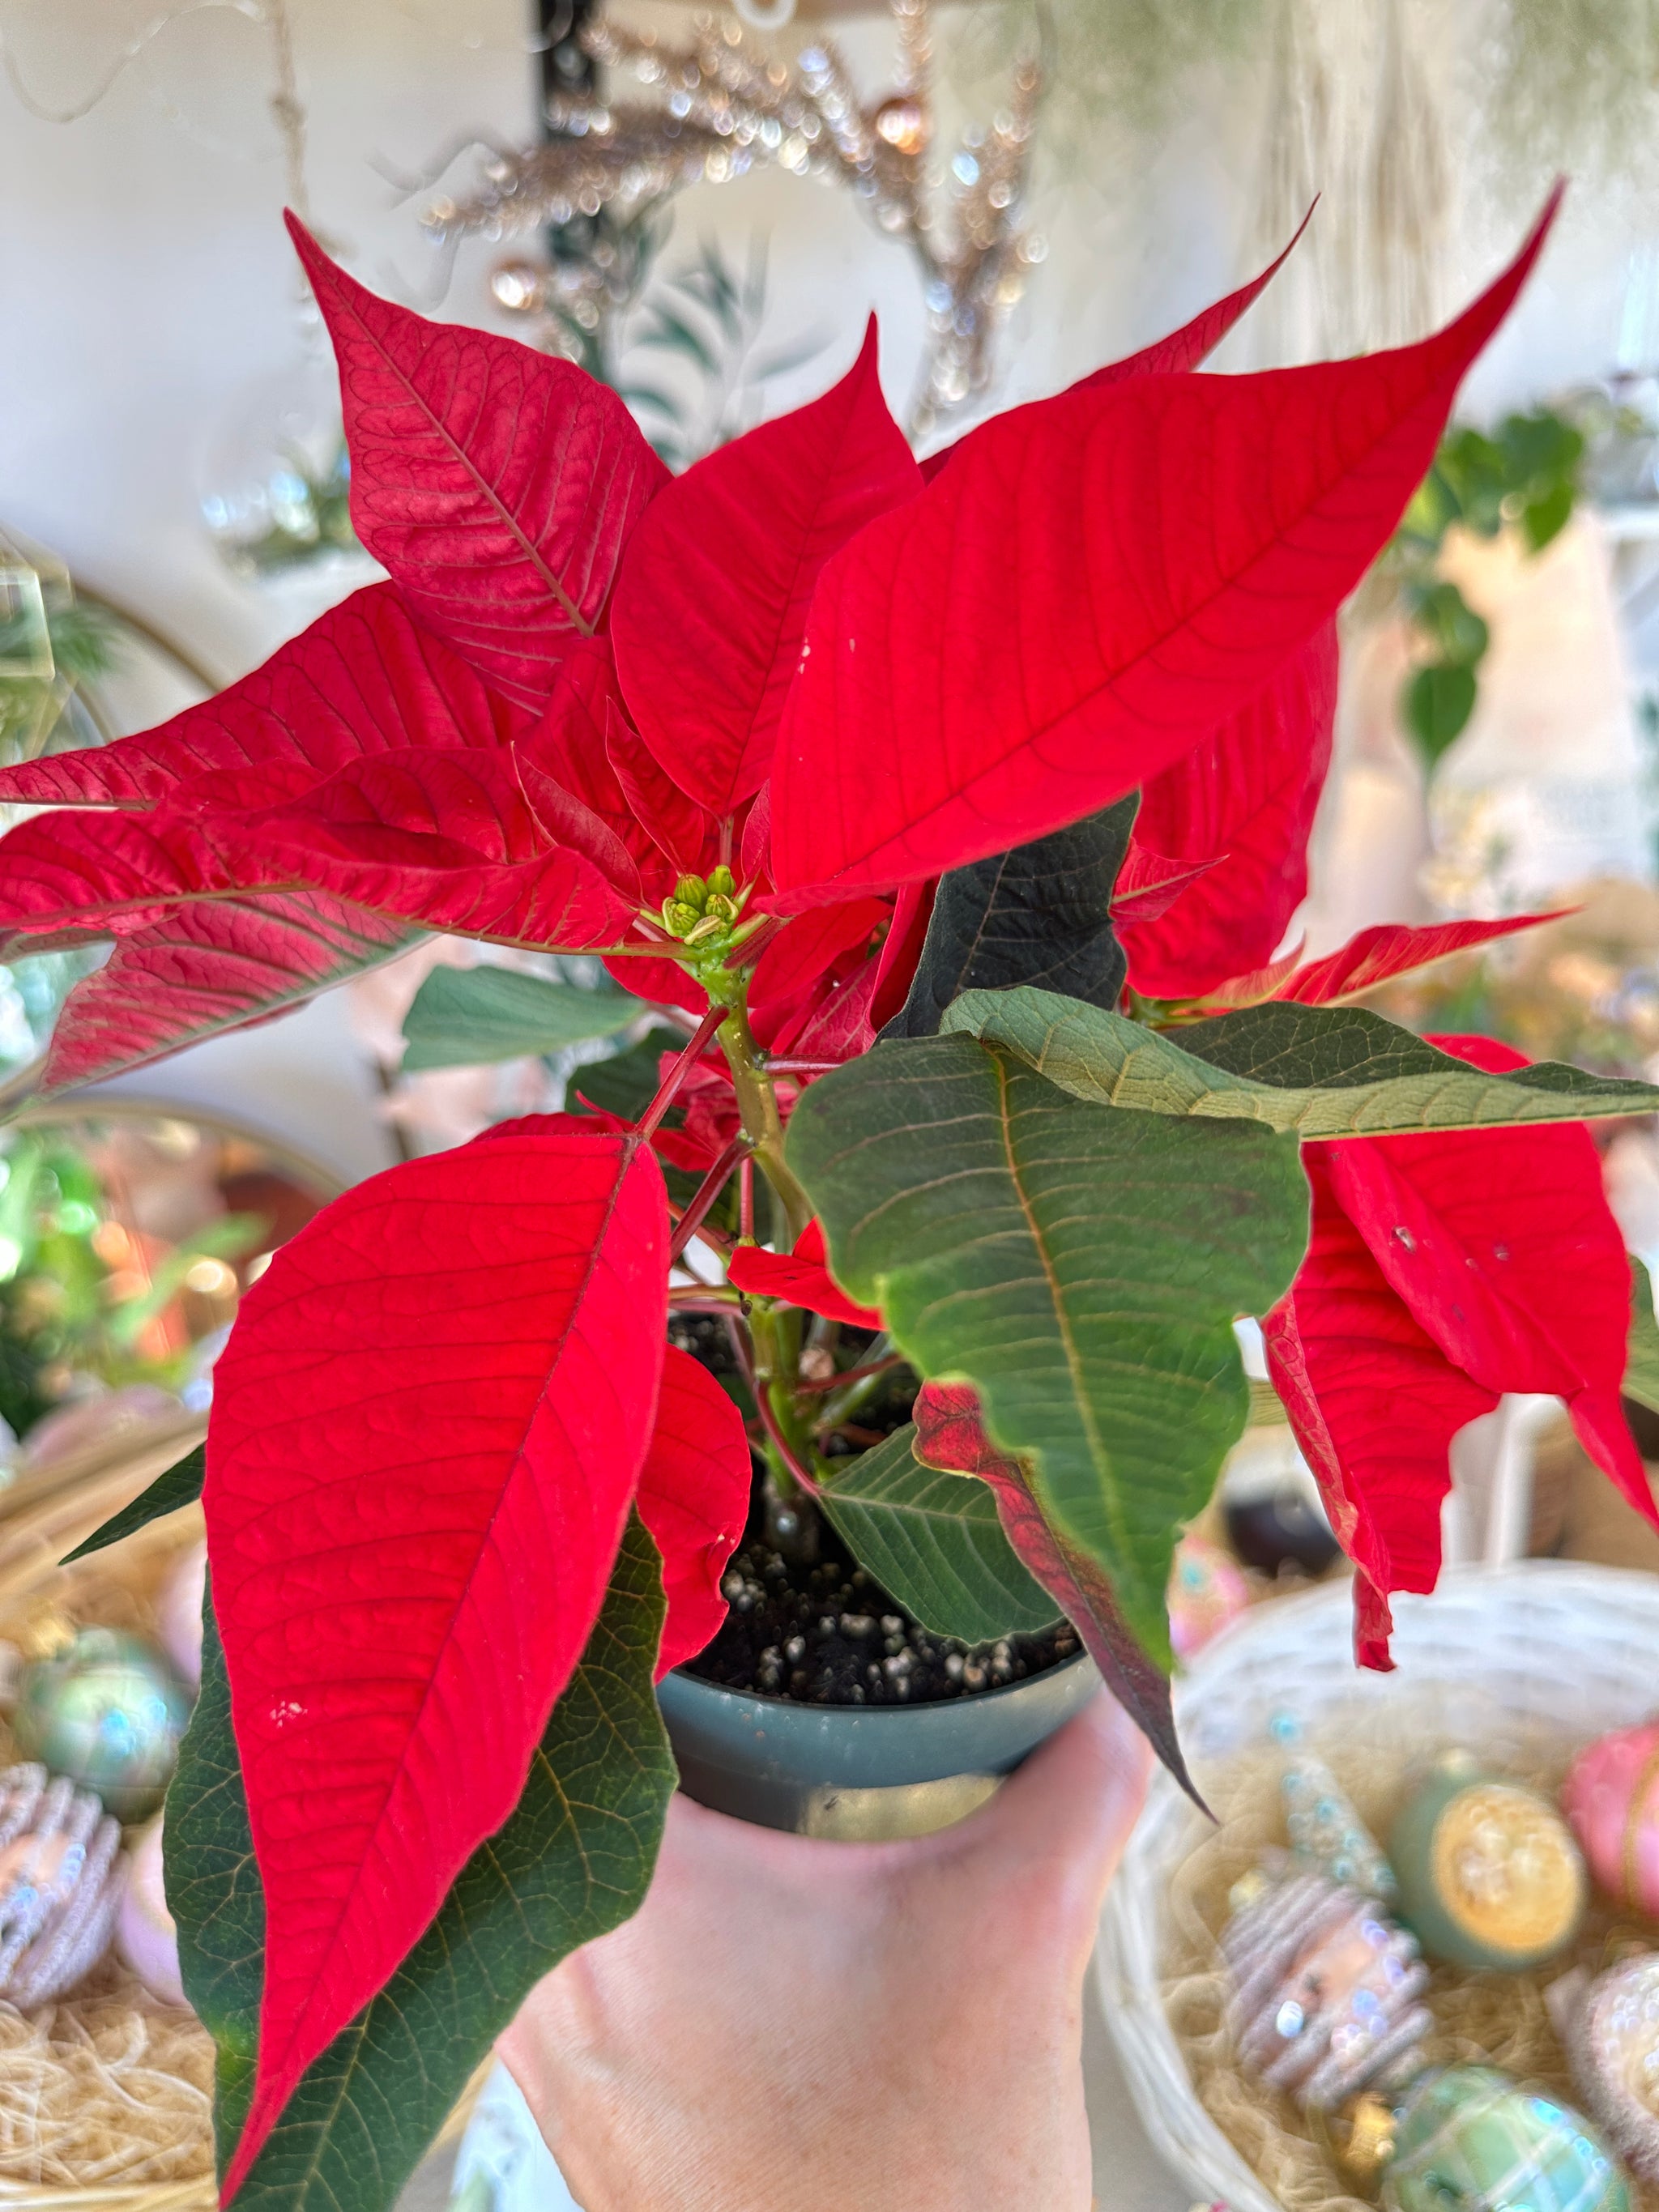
(951, 815)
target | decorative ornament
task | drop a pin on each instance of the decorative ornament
(60, 1882)
(1611, 1797)
(1610, 2030)
(1326, 2002)
(727, 106)
(1327, 1832)
(1489, 1873)
(1367, 2141)
(108, 1714)
(1468, 2139)
(146, 1935)
(1270, 1506)
(904, 124)
(1206, 1593)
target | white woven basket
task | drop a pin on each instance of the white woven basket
(1505, 1655)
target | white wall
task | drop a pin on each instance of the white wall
(146, 280)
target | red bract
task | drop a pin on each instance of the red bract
(1374, 957)
(498, 486)
(1443, 1271)
(1239, 808)
(429, 1423)
(802, 1277)
(204, 969)
(693, 1499)
(711, 607)
(964, 689)
(1180, 349)
(364, 679)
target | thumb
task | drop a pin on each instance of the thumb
(1063, 1819)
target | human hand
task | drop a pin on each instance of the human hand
(788, 2025)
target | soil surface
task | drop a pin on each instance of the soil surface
(829, 1635)
(824, 1631)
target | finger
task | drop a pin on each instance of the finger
(1067, 1813)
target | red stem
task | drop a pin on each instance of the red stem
(852, 1374)
(683, 1064)
(803, 1066)
(706, 1193)
(752, 947)
(746, 1199)
(785, 1451)
(742, 1351)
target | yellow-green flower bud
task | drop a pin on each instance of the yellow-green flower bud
(721, 882)
(721, 908)
(709, 926)
(691, 890)
(680, 919)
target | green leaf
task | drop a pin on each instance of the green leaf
(1436, 703)
(1081, 1270)
(463, 1016)
(178, 1485)
(1315, 1071)
(627, 1082)
(1040, 914)
(935, 1542)
(1641, 1358)
(1449, 621)
(214, 1892)
(1547, 516)
(573, 1860)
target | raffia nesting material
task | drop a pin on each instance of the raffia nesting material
(106, 2095)
(1521, 1665)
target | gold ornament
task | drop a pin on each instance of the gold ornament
(1366, 2143)
(725, 105)
(903, 123)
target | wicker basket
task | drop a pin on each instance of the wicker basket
(1508, 1658)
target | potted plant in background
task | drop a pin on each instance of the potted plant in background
(954, 812)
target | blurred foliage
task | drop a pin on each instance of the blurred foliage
(707, 319)
(1548, 85)
(1524, 477)
(81, 1298)
(1584, 988)
(38, 710)
(311, 512)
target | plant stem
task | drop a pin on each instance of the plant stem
(852, 1374)
(683, 1066)
(774, 1331)
(855, 1390)
(707, 1195)
(758, 1103)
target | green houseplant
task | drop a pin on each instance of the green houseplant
(953, 813)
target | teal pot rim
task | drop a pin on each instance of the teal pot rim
(862, 1771)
